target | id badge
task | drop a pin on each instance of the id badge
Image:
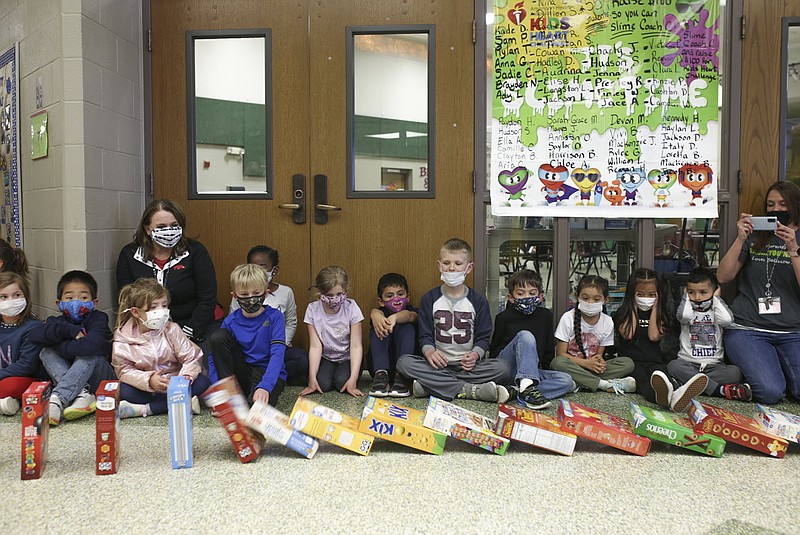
(769, 305)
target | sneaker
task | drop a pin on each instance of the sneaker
(623, 385)
(683, 396)
(503, 394)
(399, 390)
(380, 386)
(131, 410)
(738, 392)
(195, 405)
(662, 386)
(55, 410)
(482, 392)
(83, 405)
(419, 390)
(9, 406)
(533, 399)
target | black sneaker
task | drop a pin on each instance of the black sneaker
(399, 390)
(380, 386)
(533, 399)
(736, 391)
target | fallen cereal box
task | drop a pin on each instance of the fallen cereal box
(35, 427)
(736, 428)
(534, 428)
(230, 408)
(274, 425)
(329, 425)
(106, 421)
(467, 426)
(601, 427)
(677, 431)
(781, 424)
(395, 423)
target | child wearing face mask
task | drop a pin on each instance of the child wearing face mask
(334, 336)
(77, 347)
(523, 336)
(19, 355)
(699, 367)
(393, 334)
(251, 343)
(582, 335)
(148, 349)
(455, 326)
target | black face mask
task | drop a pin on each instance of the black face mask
(250, 304)
(782, 215)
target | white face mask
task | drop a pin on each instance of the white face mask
(453, 278)
(645, 303)
(156, 319)
(590, 309)
(167, 236)
(13, 307)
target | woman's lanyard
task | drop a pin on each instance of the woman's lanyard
(769, 304)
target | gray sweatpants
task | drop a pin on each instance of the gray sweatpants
(718, 374)
(447, 382)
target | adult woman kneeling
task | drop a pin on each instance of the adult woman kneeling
(764, 340)
(161, 250)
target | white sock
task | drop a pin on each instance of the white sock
(603, 385)
(524, 383)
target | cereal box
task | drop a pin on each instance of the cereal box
(35, 426)
(395, 423)
(677, 431)
(106, 421)
(273, 424)
(179, 408)
(736, 428)
(782, 424)
(229, 406)
(601, 427)
(534, 428)
(330, 425)
(467, 426)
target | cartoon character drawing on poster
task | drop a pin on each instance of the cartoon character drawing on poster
(630, 179)
(553, 178)
(514, 182)
(695, 177)
(613, 193)
(662, 181)
(585, 179)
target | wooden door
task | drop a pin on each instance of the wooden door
(368, 237)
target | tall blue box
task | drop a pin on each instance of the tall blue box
(179, 403)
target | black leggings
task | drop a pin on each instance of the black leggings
(333, 374)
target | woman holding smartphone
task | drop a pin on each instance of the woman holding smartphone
(764, 340)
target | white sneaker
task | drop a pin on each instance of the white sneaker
(683, 396)
(195, 405)
(83, 405)
(9, 406)
(54, 410)
(623, 385)
(662, 387)
(503, 394)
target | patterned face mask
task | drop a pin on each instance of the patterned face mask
(333, 302)
(167, 236)
(702, 306)
(396, 304)
(157, 319)
(527, 305)
(76, 310)
(250, 304)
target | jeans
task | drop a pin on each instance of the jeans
(522, 356)
(770, 362)
(71, 375)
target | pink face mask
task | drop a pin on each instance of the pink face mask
(396, 304)
(334, 302)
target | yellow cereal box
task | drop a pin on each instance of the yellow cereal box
(329, 425)
(395, 423)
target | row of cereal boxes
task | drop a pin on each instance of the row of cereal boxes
(706, 430)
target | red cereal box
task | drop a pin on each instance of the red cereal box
(35, 426)
(534, 428)
(601, 427)
(106, 421)
(736, 428)
(230, 408)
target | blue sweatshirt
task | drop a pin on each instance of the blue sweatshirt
(19, 356)
(59, 333)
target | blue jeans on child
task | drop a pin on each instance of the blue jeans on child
(71, 375)
(770, 362)
(158, 400)
(522, 355)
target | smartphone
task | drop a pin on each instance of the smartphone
(769, 222)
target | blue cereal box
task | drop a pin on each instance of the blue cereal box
(179, 404)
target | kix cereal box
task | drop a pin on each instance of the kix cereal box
(106, 422)
(179, 408)
(467, 426)
(677, 431)
(782, 424)
(736, 428)
(230, 408)
(274, 425)
(35, 426)
(395, 423)
(601, 427)
(534, 428)
(329, 425)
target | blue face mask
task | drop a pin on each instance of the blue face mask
(76, 310)
(527, 305)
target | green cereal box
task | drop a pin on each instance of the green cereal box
(677, 431)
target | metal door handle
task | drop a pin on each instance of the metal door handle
(299, 204)
(328, 207)
(321, 206)
(289, 206)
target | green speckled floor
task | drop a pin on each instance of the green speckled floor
(395, 489)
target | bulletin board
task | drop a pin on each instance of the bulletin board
(10, 207)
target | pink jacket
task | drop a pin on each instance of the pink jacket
(137, 356)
